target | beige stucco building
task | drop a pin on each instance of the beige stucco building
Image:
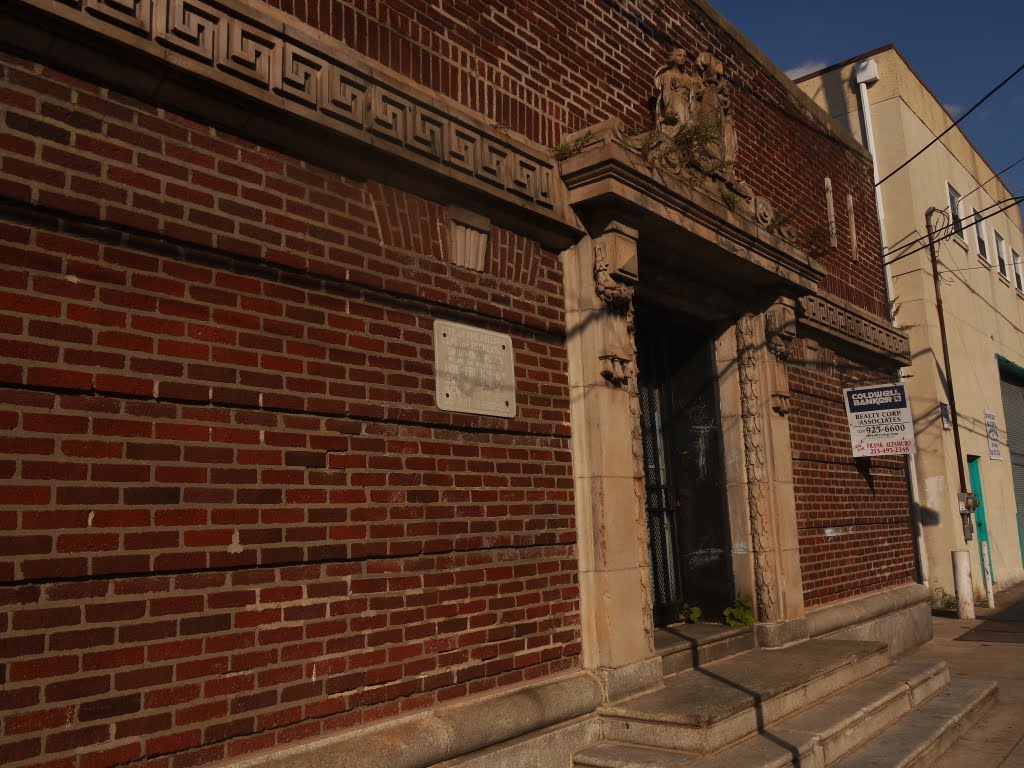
(884, 103)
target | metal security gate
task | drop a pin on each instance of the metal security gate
(683, 471)
(1013, 413)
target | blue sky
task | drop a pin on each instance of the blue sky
(961, 50)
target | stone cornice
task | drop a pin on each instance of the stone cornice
(292, 71)
(833, 316)
(606, 174)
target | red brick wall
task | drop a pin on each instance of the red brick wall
(231, 515)
(549, 67)
(853, 517)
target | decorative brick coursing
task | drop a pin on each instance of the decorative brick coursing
(232, 516)
(546, 69)
(852, 514)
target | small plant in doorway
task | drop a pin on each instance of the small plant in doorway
(741, 612)
(691, 614)
(944, 601)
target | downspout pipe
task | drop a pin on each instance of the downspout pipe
(866, 73)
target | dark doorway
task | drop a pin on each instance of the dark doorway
(684, 478)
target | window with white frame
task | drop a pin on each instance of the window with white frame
(1016, 270)
(979, 230)
(1001, 254)
(954, 211)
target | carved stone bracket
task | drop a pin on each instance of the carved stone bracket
(780, 403)
(617, 370)
(780, 339)
(780, 329)
(615, 268)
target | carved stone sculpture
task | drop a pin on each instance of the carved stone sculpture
(695, 133)
(677, 92)
(714, 110)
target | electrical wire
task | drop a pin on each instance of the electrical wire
(1012, 202)
(954, 125)
(1012, 165)
(940, 235)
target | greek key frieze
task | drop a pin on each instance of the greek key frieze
(854, 326)
(188, 28)
(247, 51)
(343, 96)
(133, 15)
(298, 77)
(323, 80)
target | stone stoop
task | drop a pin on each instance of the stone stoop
(902, 715)
(709, 707)
(924, 735)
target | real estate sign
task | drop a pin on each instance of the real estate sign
(880, 421)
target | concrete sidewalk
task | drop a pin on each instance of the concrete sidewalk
(990, 648)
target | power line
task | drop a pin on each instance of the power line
(1012, 202)
(1015, 163)
(954, 125)
(945, 212)
(944, 271)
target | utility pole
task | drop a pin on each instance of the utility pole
(967, 500)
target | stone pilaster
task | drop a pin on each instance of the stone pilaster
(607, 456)
(763, 345)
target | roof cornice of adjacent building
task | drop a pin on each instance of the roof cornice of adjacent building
(920, 81)
(854, 60)
(910, 68)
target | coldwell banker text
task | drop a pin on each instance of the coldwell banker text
(876, 398)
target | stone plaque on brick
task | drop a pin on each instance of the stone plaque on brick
(475, 370)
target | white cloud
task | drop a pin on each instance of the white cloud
(811, 65)
(954, 109)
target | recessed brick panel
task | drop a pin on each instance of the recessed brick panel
(852, 515)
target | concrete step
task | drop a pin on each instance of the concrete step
(707, 708)
(817, 736)
(924, 735)
(685, 646)
(852, 717)
(764, 750)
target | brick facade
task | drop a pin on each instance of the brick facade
(232, 516)
(852, 515)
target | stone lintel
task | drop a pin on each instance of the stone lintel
(264, 75)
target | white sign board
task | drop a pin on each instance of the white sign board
(995, 450)
(880, 421)
(474, 370)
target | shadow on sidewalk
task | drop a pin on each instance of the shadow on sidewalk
(1003, 625)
